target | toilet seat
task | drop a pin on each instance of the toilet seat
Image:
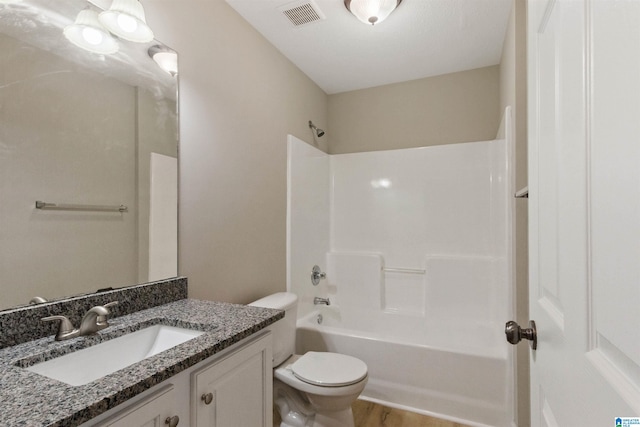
(329, 369)
(284, 374)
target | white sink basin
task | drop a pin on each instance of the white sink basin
(89, 364)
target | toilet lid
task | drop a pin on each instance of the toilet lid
(329, 369)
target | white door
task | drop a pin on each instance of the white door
(584, 210)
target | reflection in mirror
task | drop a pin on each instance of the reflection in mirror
(81, 128)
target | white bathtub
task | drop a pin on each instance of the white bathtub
(445, 368)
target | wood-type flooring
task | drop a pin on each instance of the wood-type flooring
(369, 414)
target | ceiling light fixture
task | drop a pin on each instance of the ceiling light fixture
(87, 33)
(166, 58)
(125, 19)
(371, 11)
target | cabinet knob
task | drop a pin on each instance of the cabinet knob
(172, 421)
(207, 398)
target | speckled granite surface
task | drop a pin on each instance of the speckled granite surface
(23, 324)
(29, 399)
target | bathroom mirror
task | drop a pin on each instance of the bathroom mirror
(92, 132)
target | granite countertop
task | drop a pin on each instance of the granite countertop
(29, 399)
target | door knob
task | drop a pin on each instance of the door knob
(515, 333)
(172, 421)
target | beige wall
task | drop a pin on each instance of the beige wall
(457, 107)
(239, 99)
(513, 92)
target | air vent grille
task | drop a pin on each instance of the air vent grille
(302, 13)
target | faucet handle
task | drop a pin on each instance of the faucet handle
(37, 300)
(102, 319)
(66, 328)
(316, 275)
(110, 304)
(94, 320)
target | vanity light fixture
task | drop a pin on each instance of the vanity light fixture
(371, 11)
(125, 19)
(87, 33)
(166, 58)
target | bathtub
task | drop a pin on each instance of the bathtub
(445, 368)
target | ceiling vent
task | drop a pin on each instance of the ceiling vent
(302, 13)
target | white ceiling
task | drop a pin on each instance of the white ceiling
(421, 38)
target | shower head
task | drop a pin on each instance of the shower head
(319, 132)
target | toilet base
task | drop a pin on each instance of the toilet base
(328, 419)
(342, 418)
(296, 411)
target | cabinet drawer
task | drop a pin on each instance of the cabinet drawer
(152, 411)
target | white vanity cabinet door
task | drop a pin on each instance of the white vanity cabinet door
(153, 411)
(238, 389)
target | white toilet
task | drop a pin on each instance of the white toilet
(315, 389)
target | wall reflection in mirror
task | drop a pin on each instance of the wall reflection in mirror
(83, 129)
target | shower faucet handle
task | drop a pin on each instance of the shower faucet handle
(316, 275)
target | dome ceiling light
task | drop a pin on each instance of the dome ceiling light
(371, 11)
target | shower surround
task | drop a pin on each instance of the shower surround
(417, 246)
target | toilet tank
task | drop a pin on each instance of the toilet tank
(284, 330)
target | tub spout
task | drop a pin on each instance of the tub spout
(318, 300)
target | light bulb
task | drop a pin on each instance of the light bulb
(125, 19)
(87, 33)
(127, 23)
(92, 36)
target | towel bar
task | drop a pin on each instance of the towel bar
(70, 207)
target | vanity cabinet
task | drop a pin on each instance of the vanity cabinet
(230, 389)
(235, 391)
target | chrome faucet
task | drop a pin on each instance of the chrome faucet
(318, 300)
(90, 321)
(102, 319)
(37, 300)
(65, 329)
(93, 320)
